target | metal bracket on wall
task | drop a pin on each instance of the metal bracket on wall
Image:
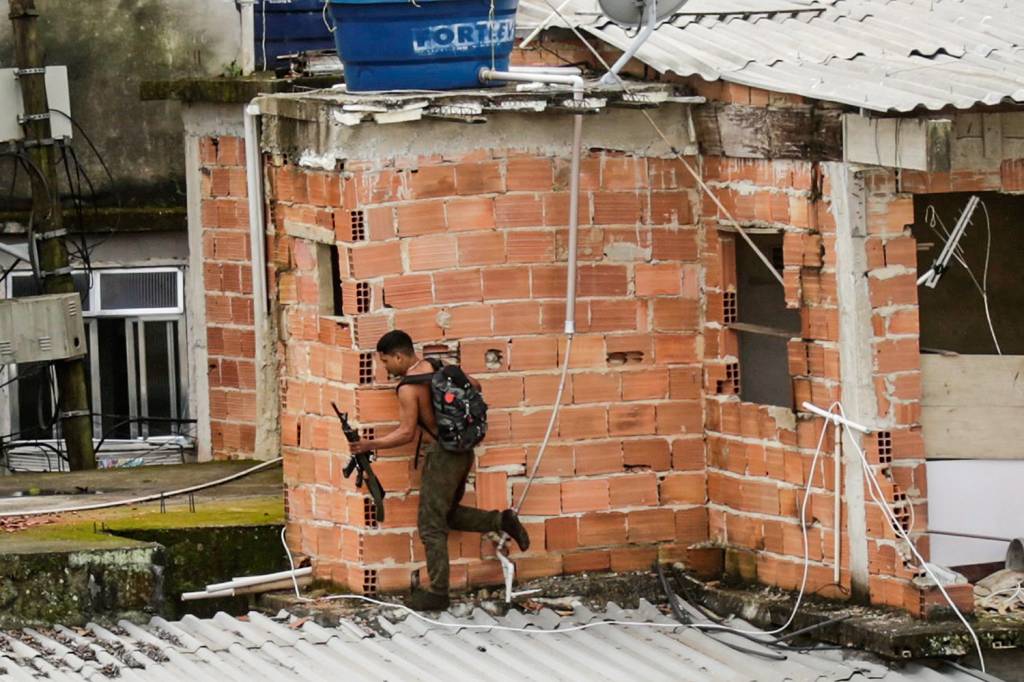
(25, 118)
(52, 234)
(34, 71)
(45, 142)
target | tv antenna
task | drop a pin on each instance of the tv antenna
(644, 15)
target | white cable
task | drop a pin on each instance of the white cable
(145, 498)
(664, 138)
(575, 628)
(984, 277)
(504, 628)
(551, 424)
(878, 496)
(330, 28)
(263, 11)
(939, 228)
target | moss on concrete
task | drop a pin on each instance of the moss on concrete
(71, 587)
(196, 557)
(229, 90)
(107, 529)
(134, 563)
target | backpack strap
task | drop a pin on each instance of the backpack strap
(414, 380)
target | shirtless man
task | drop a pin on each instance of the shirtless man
(444, 472)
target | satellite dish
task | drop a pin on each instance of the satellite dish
(633, 12)
(645, 14)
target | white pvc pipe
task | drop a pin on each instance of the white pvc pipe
(507, 567)
(533, 77)
(257, 579)
(837, 454)
(564, 70)
(836, 418)
(194, 596)
(247, 56)
(257, 229)
(574, 225)
(273, 586)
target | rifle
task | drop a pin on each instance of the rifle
(361, 465)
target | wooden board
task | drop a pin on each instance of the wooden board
(973, 406)
(753, 132)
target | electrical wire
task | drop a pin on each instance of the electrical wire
(146, 498)
(938, 227)
(668, 143)
(886, 510)
(878, 497)
(586, 626)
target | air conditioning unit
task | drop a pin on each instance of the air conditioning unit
(41, 328)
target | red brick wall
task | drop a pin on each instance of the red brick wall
(227, 280)
(470, 252)
(759, 457)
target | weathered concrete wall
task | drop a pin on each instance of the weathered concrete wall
(110, 48)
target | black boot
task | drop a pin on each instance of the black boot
(424, 600)
(510, 524)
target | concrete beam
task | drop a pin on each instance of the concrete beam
(849, 196)
(907, 143)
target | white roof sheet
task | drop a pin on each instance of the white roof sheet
(882, 55)
(227, 649)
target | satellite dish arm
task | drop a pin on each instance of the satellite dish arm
(651, 23)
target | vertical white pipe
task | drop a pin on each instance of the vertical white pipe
(837, 454)
(574, 224)
(267, 404)
(247, 53)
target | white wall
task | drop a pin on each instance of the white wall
(983, 497)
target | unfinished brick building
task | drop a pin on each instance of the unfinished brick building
(681, 427)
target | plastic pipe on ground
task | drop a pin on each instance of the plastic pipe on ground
(257, 579)
(273, 586)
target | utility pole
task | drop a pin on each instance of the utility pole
(75, 416)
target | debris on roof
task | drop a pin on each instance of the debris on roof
(472, 106)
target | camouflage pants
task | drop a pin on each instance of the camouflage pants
(442, 488)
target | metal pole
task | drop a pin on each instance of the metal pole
(75, 416)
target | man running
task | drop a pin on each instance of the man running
(444, 472)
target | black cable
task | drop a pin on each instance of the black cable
(14, 180)
(86, 255)
(83, 175)
(686, 620)
(29, 163)
(88, 139)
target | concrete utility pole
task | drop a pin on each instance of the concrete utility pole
(75, 416)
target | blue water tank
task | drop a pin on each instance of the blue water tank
(289, 26)
(422, 44)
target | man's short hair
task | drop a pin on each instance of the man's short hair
(394, 342)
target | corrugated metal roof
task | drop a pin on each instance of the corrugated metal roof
(225, 648)
(883, 55)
